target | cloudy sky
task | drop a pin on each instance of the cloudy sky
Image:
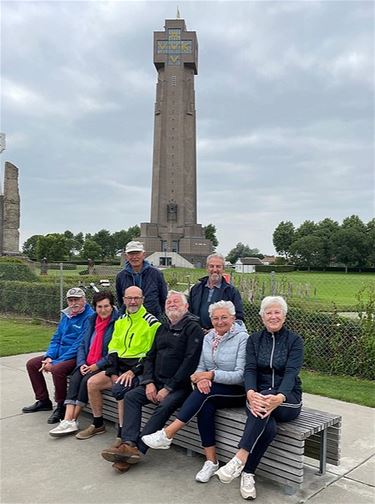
(285, 112)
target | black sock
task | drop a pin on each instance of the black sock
(98, 422)
(119, 429)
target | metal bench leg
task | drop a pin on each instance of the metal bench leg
(323, 452)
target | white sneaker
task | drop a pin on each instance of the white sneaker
(158, 440)
(247, 486)
(207, 471)
(230, 470)
(65, 427)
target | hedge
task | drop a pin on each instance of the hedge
(16, 270)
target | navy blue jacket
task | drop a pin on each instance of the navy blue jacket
(84, 348)
(227, 293)
(273, 361)
(152, 283)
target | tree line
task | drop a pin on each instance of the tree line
(327, 243)
(99, 246)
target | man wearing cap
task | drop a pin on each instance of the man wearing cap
(211, 289)
(140, 273)
(60, 357)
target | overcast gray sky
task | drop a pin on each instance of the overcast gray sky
(285, 112)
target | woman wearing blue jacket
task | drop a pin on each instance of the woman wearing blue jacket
(218, 382)
(92, 357)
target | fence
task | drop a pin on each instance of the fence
(333, 312)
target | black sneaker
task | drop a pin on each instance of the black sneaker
(38, 406)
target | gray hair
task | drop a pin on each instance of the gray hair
(223, 305)
(181, 294)
(273, 300)
(215, 254)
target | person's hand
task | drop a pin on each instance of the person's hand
(257, 403)
(46, 365)
(126, 378)
(201, 375)
(162, 394)
(272, 402)
(151, 392)
(204, 386)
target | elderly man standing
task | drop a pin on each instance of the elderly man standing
(140, 273)
(173, 357)
(60, 358)
(211, 289)
(132, 338)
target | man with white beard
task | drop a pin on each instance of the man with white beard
(173, 357)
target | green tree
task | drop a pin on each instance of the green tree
(210, 234)
(105, 240)
(29, 247)
(351, 247)
(91, 250)
(307, 251)
(307, 228)
(283, 237)
(325, 230)
(121, 238)
(370, 234)
(51, 246)
(242, 250)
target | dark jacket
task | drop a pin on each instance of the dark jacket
(274, 360)
(227, 292)
(174, 355)
(152, 283)
(85, 345)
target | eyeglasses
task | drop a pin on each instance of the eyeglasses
(133, 298)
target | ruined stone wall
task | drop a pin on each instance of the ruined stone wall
(10, 218)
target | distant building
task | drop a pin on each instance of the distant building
(267, 260)
(247, 264)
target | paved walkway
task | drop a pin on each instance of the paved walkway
(36, 468)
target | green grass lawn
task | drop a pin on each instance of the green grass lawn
(20, 336)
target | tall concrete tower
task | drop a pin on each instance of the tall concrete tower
(173, 226)
(10, 212)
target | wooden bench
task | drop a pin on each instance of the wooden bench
(314, 434)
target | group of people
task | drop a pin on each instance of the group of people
(198, 360)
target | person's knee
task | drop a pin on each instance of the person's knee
(118, 391)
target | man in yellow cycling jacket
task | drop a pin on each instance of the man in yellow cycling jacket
(132, 338)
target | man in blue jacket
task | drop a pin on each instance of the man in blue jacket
(60, 358)
(140, 273)
(211, 289)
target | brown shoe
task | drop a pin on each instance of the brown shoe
(121, 467)
(124, 453)
(90, 432)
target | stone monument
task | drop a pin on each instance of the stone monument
(10, 212)
(173, 228)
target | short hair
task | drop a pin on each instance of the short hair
(215, 254)
(223, 305)
(99, 296)
(271, 300)
(181, 294)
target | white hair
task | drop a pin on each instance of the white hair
(273, 300)
(181, 294)
(223, 305)
(215, 254)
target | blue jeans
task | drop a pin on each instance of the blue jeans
(205, 406)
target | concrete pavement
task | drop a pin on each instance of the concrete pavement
(36, 468)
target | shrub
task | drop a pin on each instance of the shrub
(16, 270)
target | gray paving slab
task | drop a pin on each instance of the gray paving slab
(345, 491)
(38, 468)
(365, 473)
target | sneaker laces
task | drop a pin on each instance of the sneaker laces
(248, 479)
